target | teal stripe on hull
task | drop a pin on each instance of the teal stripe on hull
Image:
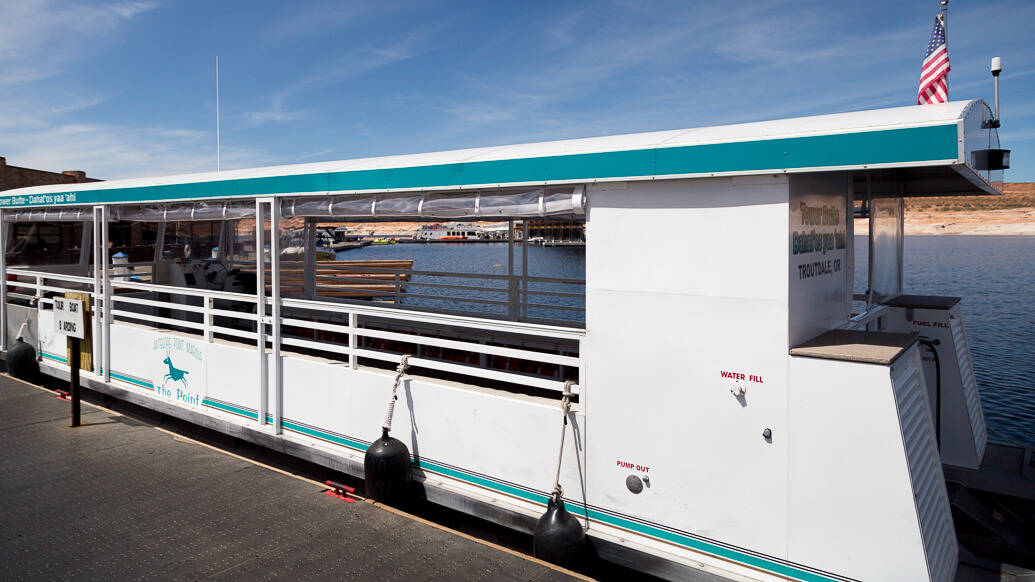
(661, 534)
(695, 544)
(692, 543)
(54, 357)
(709, 548)
(132, 380)
(907, 145)
(230, 408)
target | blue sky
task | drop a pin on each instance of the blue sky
(126, 88)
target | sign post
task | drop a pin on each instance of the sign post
(68, 321)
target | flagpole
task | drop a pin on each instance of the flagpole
(945, 30)
(217, 110)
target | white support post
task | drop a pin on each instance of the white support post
(260, 307)
(353, 362)
(278, 365)
(869, 241)
(3, 281)
(159, 241)
(84, 247)
(208, 319)
(511, 282)
(106, 280)
(523, 287)
(159, 245)
(309, 256)
(221, 243)
(98, 292)
(231, 236)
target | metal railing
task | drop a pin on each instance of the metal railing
(871, 319)
(549, 300)
(473, 349)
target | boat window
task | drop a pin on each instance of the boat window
(49, 244)
(407, 288)
(474, 272)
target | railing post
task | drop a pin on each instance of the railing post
(278, 364)
(159, 245)
(208, 319)
(84, 248)
(353, 320)
(523, 293)
(309, 256)
(3, 283)
(95, 304)
(106, 279)
(221, 242)
(511, 282)
(260, 308)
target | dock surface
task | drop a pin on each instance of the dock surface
(120, 499)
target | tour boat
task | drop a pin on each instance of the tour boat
(452, 231)
(716, 405)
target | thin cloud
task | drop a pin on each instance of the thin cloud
(308, 21)
(106, 151)
(40, 38)
(272, 115)
(355, 63)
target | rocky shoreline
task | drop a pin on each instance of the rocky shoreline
(1010, 213)
(1015, 221)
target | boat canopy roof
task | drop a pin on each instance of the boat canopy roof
(916, 150)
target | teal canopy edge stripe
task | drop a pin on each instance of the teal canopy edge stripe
(699, 545)
(54, 357)
(906, 145)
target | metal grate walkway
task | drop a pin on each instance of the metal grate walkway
(117, 499)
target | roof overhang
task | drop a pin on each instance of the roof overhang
(918, 150)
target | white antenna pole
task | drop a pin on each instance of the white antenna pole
(217, 114)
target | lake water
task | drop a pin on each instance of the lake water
(995, 275)
(487, 259)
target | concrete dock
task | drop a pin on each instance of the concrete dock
(121, 499)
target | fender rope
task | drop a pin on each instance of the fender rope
(558, 491)
(404, 364)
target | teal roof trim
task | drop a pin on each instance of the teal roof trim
(913, 145)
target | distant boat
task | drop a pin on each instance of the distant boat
(384, 241)
(454, 231)
(322, 253)
(344, 234)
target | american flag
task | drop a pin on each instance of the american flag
(934, 83)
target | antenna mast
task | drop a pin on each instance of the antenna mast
(217, 112)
